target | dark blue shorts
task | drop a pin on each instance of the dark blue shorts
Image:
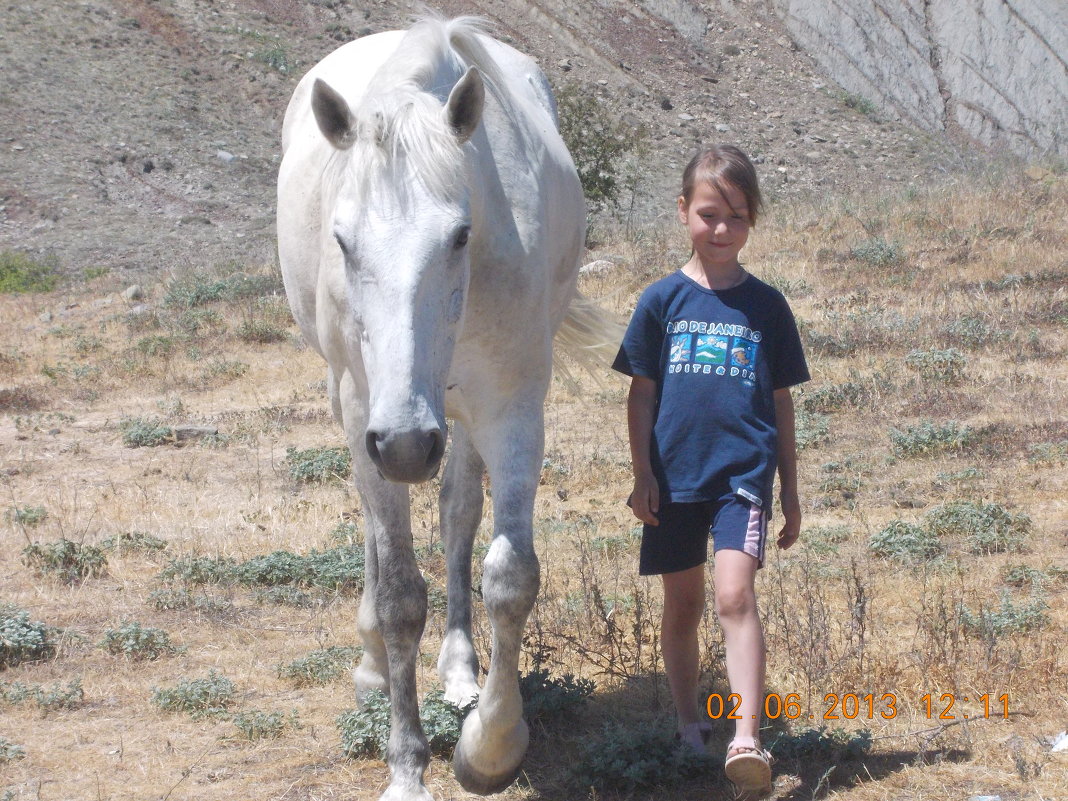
(681, 540)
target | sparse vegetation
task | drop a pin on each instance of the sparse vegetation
(134, 641)
(364, 732)
(208, 697)
(23, 640)
(21, 273)
(321, 666)
(929, 560)
(65, 560)
(319, 465)
(144, 432)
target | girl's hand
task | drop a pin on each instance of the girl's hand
(791, 512)
(645, 500)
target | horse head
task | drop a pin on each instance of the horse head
(402, 219)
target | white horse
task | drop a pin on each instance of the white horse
(430, 227)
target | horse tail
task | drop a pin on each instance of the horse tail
(588, 337)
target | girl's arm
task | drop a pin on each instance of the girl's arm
(641, 414)
(787, 456)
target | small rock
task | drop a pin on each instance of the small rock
(666, 104)
(599, 267)
(187, 432)
(132, 293)
(46, 317)
(723, 128)
(564, 64)
(686, 117)
(225, 157)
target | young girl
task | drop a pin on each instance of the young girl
(712, 352)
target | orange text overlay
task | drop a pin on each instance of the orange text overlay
(866, 706)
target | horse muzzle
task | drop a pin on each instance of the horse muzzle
(406, 457)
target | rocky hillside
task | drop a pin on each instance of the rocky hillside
(144, 134)
(995, 70)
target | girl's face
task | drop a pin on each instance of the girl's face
(718, 224)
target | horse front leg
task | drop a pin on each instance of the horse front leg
(392, 611)
(495, 736)
(460, 512)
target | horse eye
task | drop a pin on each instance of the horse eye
(462, 236)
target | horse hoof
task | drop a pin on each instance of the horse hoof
(475, 781)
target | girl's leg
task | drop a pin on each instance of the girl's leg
(736, 607)
(684, 603)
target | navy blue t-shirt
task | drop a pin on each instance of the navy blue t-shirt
(717, 357)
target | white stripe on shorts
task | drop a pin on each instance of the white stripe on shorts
(756, 533)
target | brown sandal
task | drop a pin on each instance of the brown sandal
(748, 767)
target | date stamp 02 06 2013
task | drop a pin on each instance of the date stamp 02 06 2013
(869, 706)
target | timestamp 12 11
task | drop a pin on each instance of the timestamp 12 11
(942, 708)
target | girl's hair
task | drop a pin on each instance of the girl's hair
(718, 166)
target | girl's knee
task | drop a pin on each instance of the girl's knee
(735, 602)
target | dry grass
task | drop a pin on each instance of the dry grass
(871, 279)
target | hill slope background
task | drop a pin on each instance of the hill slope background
(145, 133)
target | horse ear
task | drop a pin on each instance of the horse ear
(333, 115)
(464, 107)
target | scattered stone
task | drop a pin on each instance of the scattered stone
(686, 117)
(564, 64)
(599, 267)
(46, 317)
(225, 157)
(723, 128)
(184, 433)
(666, 104)
(132, 293)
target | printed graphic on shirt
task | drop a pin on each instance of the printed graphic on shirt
(711, 350)
(743, 354)
(680, 348)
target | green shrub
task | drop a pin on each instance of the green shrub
(47, 698)
(199, 570)
(199, 698)
(256, 724)
(986, 527)
(1048, 453)
(1008, 618)
(319, 465)
(286, 595)
(972, 331)
(600, 144)
(627, 758)
(137, 642)
(821, 746)
(545, 696)
(260, 332)
(928, 438)
(9, 752)
(155, 345)
(28, 516)
(321, 666)
(144, 432)
(945, 366)
(22, 640)
(68, 561)
(906, 543)
(336, 569)
(824, 539)
(174, 599)
(199, 288)
(134, 542)
(365, 732)
(811, 429)
(877, 252)
(20, 273)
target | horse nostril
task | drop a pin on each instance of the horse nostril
(437, 446)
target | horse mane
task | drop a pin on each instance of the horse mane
(401, 111)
